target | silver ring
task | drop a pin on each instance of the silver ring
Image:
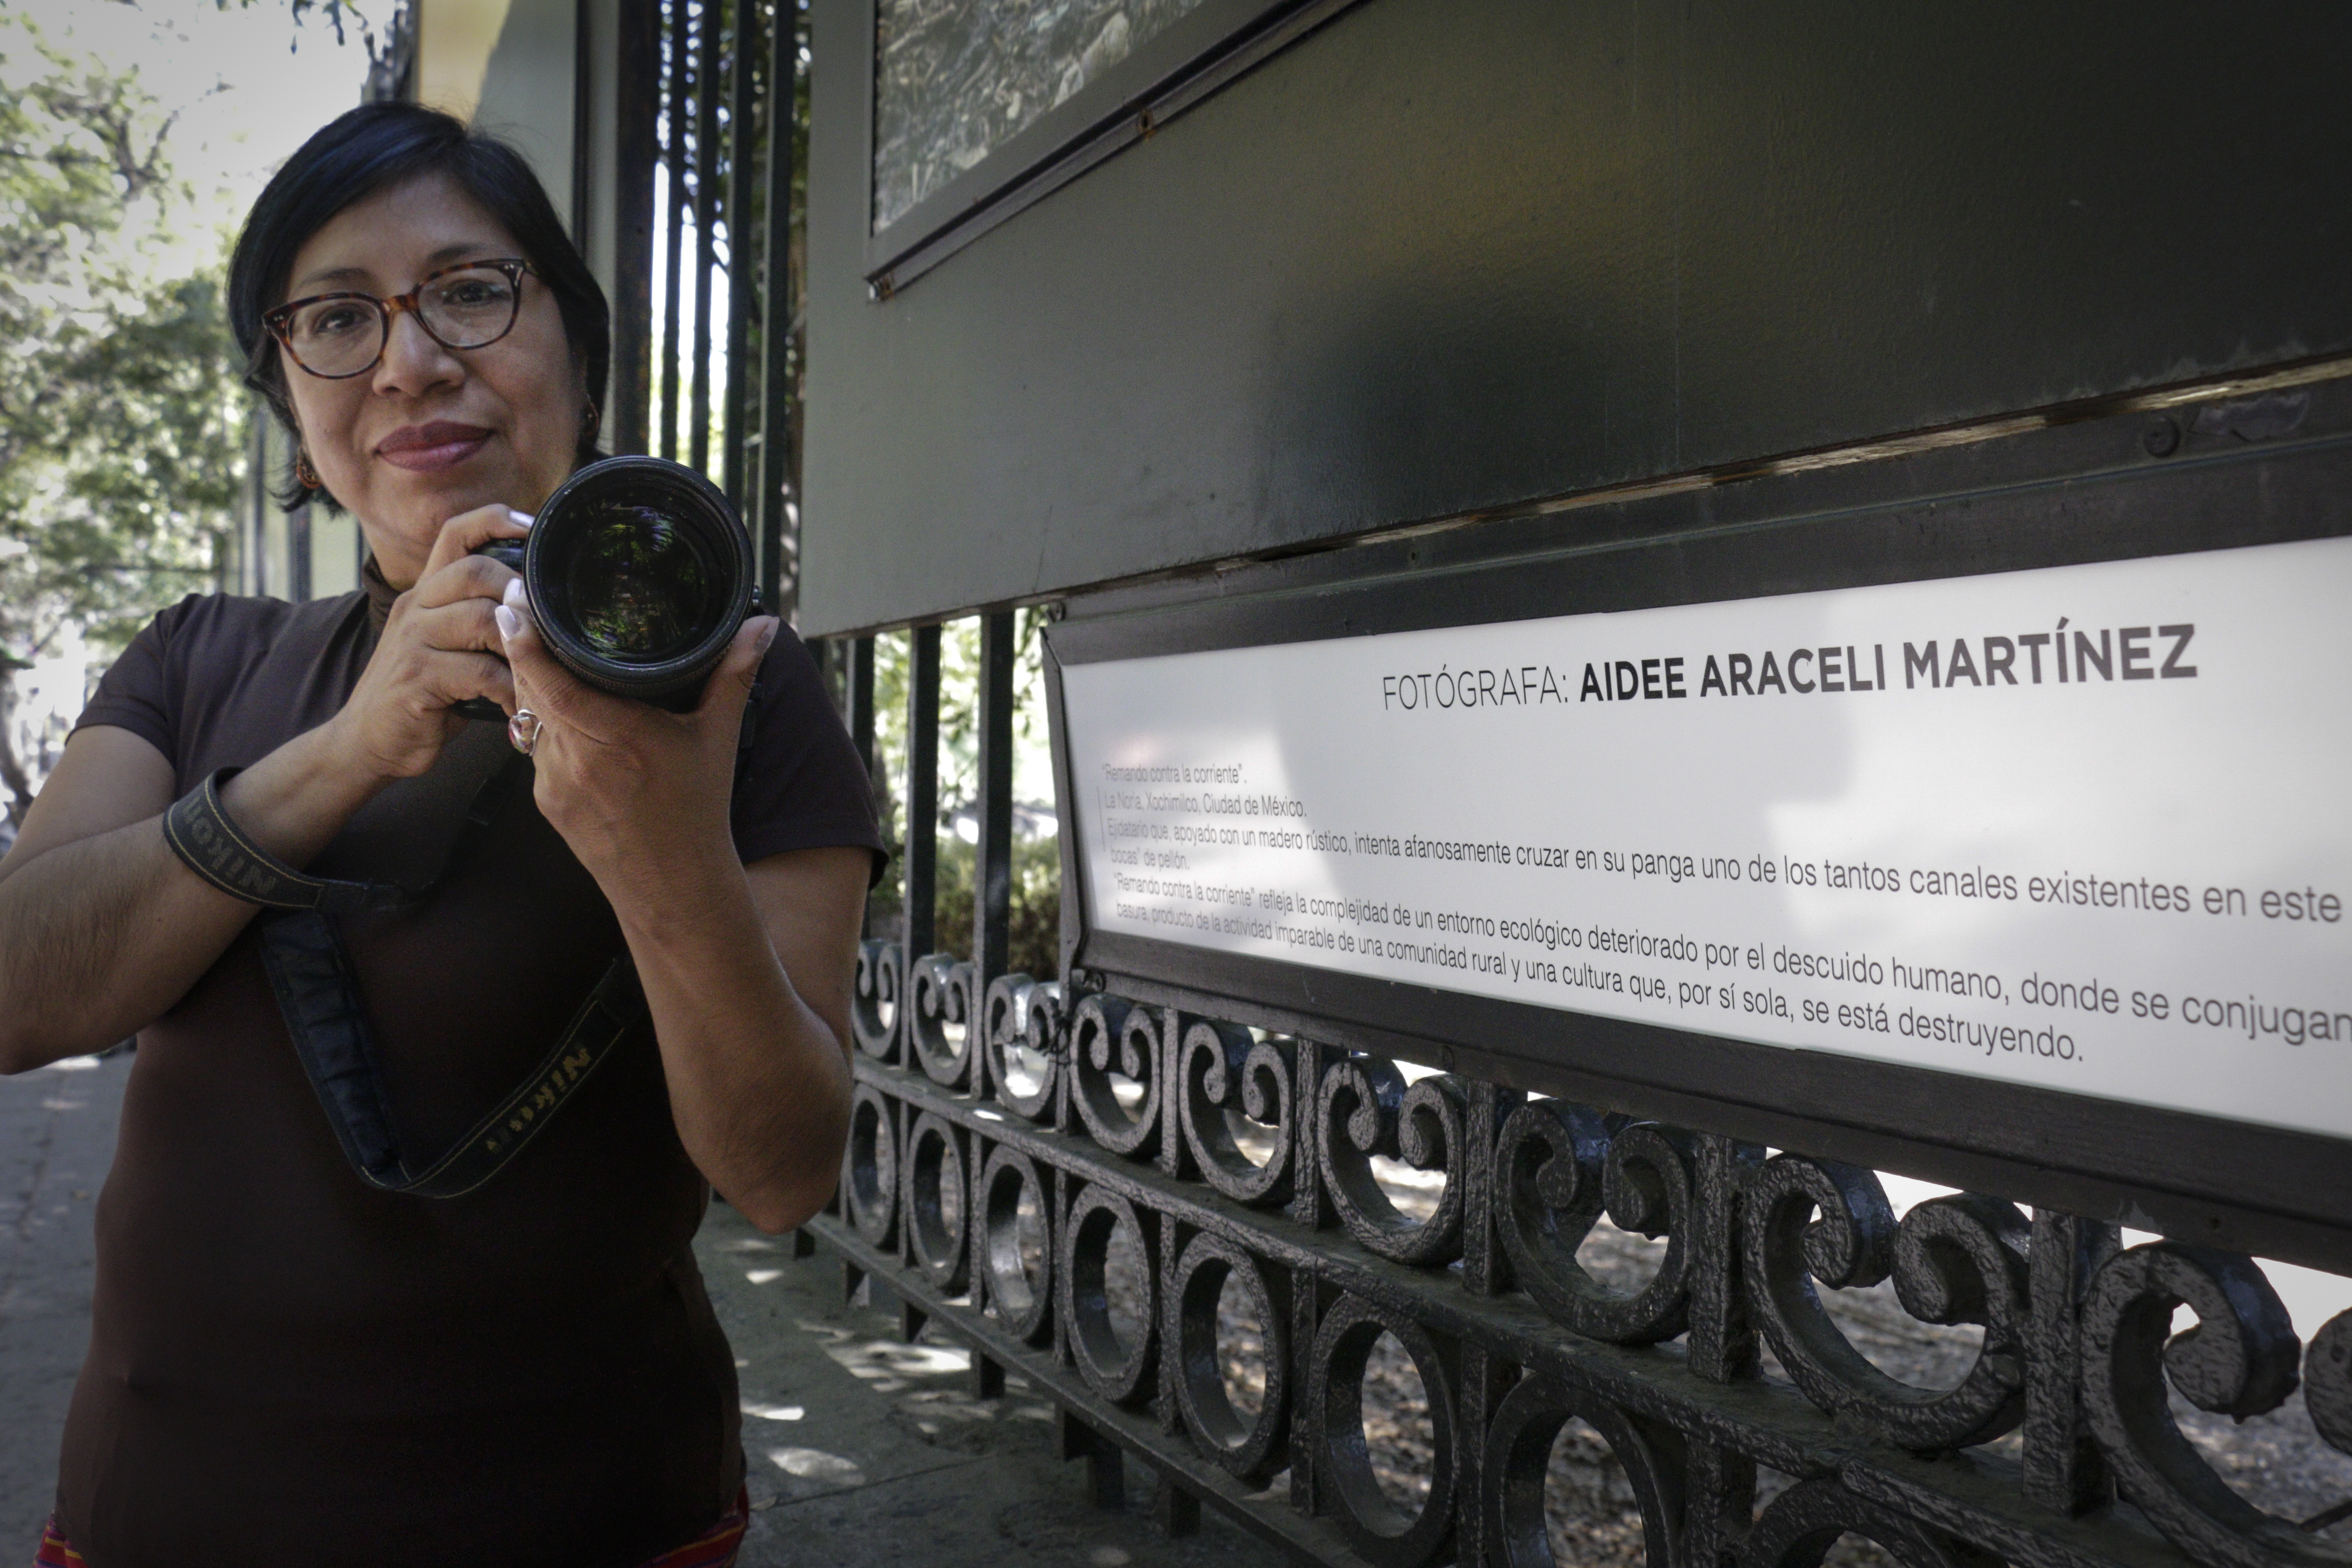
(524, 729)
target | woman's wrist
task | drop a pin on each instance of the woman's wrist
(669, 885)
(299, 796)
(344, 755)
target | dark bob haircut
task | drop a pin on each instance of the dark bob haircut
(362, 152)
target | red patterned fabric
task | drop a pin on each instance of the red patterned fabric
(56, 1550)
(714, 1548)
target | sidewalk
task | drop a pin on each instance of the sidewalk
(862, 1449)
(57, 1139)
(867, 1450)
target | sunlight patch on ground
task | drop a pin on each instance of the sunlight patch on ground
(816, 1465)
(888, 1365)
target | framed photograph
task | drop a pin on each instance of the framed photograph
(976, 112)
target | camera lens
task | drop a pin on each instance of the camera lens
(640, 572)
(640, 591)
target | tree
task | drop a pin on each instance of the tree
(121, 413)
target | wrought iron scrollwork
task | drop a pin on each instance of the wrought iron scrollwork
(1804, 1521)
(940, 1000)
(869, 1186)
(934, 1167)
(1381, 1532)
(1111, 1035)
(1089, 1089)
(1222, 1071)
(875, 1003)
(1120, 1371)
(1955, 1260)
(2327, 1381)
(1021, 1296)
(1518, 1456)
(1253, 1450)
(1022, 1022)
(2239, 1360)
(1557, 1168)
(1365, 1110)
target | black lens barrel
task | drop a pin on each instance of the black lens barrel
(639, 574)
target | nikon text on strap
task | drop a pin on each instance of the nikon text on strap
(209, 843)
(318, 995)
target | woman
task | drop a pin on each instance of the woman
(290, 1363)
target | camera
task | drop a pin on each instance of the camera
(639, 572)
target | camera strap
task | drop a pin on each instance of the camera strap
(311, 972)
(208, 842)
(319, 995)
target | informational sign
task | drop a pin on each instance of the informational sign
(2088, 827)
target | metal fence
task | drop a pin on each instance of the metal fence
(720, 167)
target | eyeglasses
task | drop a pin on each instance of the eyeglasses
(338, 336)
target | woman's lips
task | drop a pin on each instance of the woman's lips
(426, 449)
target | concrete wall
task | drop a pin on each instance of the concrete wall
(528, 92)
(455, 40)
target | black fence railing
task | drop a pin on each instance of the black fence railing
(726, 152)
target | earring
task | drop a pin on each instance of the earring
(588, 418)
(304, 474)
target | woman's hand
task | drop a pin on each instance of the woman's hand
(439, 647)
(640, 794)
(747, 972)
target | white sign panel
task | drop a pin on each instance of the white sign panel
(2087, 828)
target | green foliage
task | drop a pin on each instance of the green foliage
(120, 415)
(1036, 922)
(1036, 911)
(959, 715)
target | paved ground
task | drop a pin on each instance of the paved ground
(57, 1139)
(863, 1450)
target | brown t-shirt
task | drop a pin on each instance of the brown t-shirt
(288, 1365)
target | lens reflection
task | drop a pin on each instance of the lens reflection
(639, 590)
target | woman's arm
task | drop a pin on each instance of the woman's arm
(102, 929)
(749, 981)
(748, 972)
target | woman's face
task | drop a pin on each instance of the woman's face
(432, 432)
